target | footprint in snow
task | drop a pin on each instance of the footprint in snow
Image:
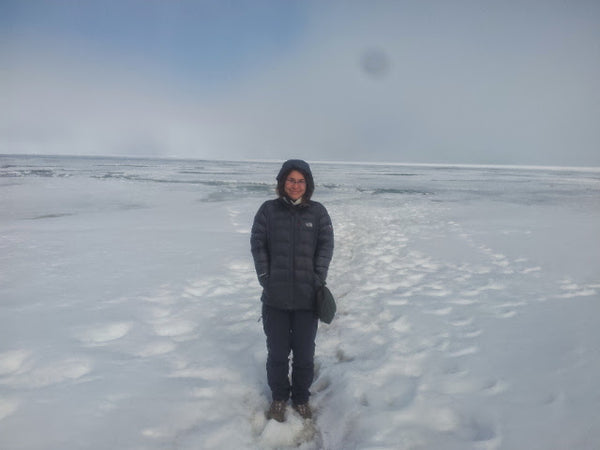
(8, 406)
(103, 333)
(13, 361)
(68, 369)
(292, 433)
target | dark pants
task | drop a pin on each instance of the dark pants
(287, 331)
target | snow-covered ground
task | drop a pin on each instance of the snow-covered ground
(468, 303)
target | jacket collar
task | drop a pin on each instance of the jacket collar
(291, 204)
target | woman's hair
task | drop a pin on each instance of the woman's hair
(310, 185)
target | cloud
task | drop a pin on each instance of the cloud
(450, 91)
(63, 101)
(377, 81)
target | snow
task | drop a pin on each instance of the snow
(129, 308)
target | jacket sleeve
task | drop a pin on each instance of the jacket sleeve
(259, 245)
(324, 251)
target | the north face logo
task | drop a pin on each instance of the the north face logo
(308, 224)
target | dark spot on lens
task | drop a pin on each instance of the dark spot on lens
(375, 63)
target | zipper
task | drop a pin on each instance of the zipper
(293, 256)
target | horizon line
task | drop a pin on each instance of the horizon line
(272, 160)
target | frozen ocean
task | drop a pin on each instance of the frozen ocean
(468, 307)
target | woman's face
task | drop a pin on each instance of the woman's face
(295, 185)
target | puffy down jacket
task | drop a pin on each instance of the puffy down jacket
(292, 247)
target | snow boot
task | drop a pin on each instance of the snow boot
(304, 410)
(277, 411)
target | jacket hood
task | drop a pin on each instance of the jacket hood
(302, 167)
(294, 164)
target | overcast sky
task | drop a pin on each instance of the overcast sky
(476, 82)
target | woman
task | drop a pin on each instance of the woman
(292, 245)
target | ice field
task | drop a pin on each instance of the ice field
(468, 307)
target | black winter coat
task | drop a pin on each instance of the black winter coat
(292, 247)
